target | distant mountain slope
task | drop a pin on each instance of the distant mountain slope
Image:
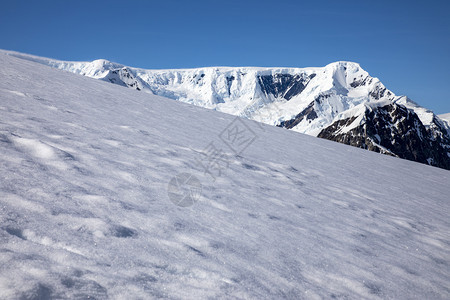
(85, 213)
(314, 101)
(445, 117)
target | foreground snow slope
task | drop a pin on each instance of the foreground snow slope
(84, 211)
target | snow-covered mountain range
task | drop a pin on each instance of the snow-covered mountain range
(340, 102)
(85, 211)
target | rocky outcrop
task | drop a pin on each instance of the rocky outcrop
(308, 113)
(394, 130)
(284, 86)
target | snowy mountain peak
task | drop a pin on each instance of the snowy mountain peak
(307, 100)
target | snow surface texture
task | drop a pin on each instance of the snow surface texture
(84, 209)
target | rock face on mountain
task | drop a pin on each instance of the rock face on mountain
(340, 102)
(394, 130)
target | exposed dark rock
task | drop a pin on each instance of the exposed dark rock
(360, 82)
(283, 85)
(309, 113)
(123, 77)
(378, 93)
(393, 130)
(229, 83)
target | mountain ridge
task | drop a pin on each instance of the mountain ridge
(306, 100)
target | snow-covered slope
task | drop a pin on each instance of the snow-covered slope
(445, 117)
(269, 95)
(84, 209)
(333, 102)
(315, 101)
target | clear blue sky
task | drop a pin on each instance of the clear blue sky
(404, 43)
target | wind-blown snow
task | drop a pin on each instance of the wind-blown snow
(84, 211)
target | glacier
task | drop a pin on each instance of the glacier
(84, 210)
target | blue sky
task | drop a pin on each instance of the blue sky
(404, 43)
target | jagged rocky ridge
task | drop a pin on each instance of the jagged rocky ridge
(394, 130)
(339, 102)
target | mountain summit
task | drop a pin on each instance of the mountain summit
(339, 102)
